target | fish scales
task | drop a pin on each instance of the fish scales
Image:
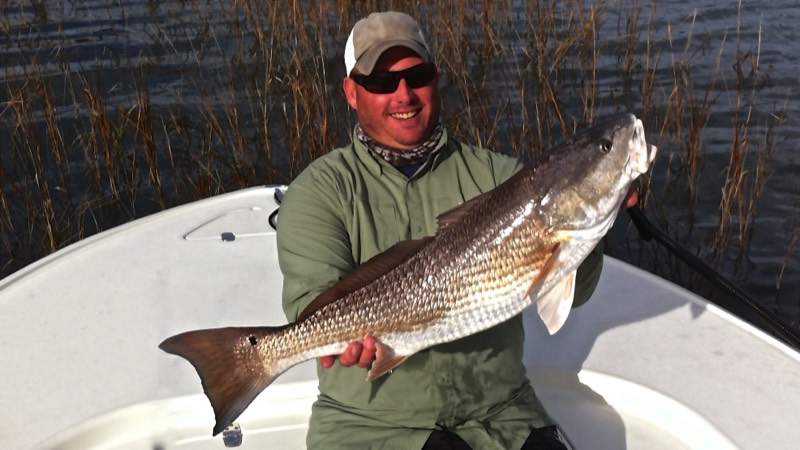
(465, 286)
(493, 256)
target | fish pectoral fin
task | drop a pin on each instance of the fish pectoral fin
(554, 305)
(385, 361)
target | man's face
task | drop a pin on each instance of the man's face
(404, 118)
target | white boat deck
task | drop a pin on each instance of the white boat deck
(643, 365)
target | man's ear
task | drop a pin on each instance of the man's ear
(350, 89)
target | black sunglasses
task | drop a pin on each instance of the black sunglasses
(387, 82)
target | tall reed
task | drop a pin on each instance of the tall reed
(178, 101)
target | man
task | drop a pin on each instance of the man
(399, 173)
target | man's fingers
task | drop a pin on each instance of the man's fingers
(351, 354)
(367, 352)
(631, 199)
(327, 361)
(356, 353)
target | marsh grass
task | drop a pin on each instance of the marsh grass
(207, 97)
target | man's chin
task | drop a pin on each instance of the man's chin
(410, 140)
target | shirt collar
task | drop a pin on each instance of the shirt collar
(379, 166)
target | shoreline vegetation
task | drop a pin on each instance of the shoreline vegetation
(145, 106)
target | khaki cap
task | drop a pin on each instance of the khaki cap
(379, 32)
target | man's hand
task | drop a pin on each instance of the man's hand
(631, 199)
(362, 354)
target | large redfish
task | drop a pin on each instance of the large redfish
(491, 258)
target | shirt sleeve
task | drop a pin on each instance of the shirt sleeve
(587, 275)
(313, 242)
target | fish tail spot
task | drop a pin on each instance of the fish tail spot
(253, 340)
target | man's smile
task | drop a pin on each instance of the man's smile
(404, 115)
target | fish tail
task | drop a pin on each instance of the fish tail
(234, 365)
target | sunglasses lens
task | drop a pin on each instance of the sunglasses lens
(420, 75)
(387, 82)
(380, 83)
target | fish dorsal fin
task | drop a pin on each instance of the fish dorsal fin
(453, 215)
(365, 274)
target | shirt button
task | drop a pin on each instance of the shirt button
(441, 380)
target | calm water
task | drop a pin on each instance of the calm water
(769, 26)
(99, 43)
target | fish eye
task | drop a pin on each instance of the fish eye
(605, 145)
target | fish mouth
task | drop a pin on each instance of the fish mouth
(641, 154)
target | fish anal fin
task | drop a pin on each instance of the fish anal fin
(365, 273)
(385, 361)
(230, 367)
(554, 305)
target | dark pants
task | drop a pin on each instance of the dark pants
(545, 438)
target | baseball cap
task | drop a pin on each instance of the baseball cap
(379, 32)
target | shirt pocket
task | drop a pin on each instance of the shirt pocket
(377, 228)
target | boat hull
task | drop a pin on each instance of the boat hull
(644, 364)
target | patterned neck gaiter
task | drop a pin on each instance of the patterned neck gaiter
(399, 157)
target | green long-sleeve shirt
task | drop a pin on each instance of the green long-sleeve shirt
(350, 205)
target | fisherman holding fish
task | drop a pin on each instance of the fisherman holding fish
(408, 257)
(402, 170)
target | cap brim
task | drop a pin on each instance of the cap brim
(367, 61)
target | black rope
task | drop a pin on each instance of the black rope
(273, 217)
(648, 231)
